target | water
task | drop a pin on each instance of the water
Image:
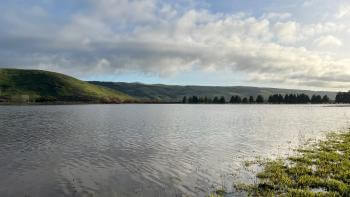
(146, 150)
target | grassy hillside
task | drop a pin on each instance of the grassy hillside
(175, 93)
(41, 86)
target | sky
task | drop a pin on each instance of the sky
(272, 43)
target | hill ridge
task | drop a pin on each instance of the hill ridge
(20, 85)
(173, 93)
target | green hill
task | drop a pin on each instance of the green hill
(173, 93)
(18, 85)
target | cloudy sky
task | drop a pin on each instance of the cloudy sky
(288, 44)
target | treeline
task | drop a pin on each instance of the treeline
(197, 99)
(342, 97)
(298, 99)
(222, 99)
(273, 99)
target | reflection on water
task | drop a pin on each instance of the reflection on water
(146, 150)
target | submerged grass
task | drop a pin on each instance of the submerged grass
(318, 169)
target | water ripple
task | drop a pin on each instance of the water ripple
(146, 150)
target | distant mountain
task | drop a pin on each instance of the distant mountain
(18, 85)
(173, 93)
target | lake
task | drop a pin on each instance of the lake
(147, 150)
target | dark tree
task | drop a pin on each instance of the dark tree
(251, 99)
(270, 99)
(190, 99)
(316, 99)
(222, 100)
(232, 100)
(205, 99)
(195, 99)
(289, 99)
(235, 99)
(338, 97)
(277, 99)
(325, 99)
(342, 97)
(280, 99)
(286, 99)
(260, 99)
(303, 99)
(238, 99)
(245, 100)
(292, 99)
(184, 99)
(216, 100)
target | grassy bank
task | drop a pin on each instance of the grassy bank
(317, 169)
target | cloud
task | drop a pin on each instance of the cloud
(286, 32)
(163, 39)
(343, 11)
(308, 3)
(328, 41)
(125, 11)
(277, 16)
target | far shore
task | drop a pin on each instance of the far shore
(150, 102)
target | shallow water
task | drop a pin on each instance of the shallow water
(146, 150)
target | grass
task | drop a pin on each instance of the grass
(43, 86)
(318, 169)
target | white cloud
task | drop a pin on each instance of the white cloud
(154, 37)
(312, 30)
(276, 16)
(308, 3)
(287, 32)
(343, 11)
(328, 41)
(125, 11)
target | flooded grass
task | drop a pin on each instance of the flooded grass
(318, 169)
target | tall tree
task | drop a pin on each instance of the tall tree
(216, 100)
(245, 100)
(260, 99)
(270, 99)
(316, 99)
(342, 97)
(251, 99)
(238, 99)
(286, 99)
(184, 99)
(195, 99)
(233, 99)
(325, 99)
(280, 99)
(222, 100)
(206, 99)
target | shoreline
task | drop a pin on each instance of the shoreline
(320, 168)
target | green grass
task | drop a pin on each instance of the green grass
(318, 169)
(42, 86)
